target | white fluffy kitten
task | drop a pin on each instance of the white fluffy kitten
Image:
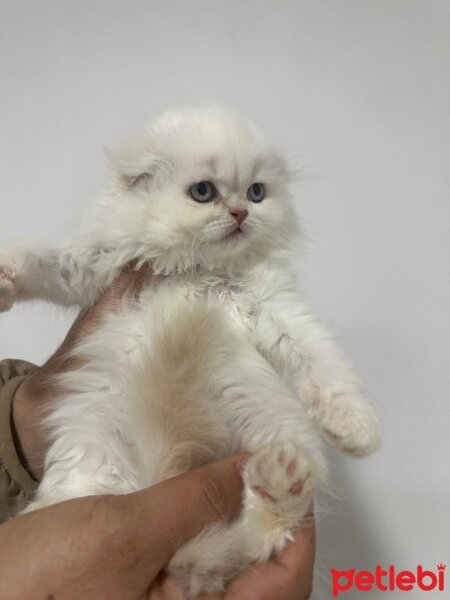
(217, 356)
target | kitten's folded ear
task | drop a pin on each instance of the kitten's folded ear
(135, 165)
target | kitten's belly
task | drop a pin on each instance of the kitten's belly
(171, 350)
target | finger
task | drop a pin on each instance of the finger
(164, 588)
(130, 280)
(170, 513)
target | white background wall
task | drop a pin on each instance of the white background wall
(356, 89)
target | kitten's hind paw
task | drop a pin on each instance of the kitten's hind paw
(352, 426)
(7, 287)
(280, 482)
(280, 474)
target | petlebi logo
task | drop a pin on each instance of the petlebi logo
(387, 580)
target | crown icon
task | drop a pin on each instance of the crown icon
(441, 567)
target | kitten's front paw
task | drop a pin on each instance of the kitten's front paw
(7, 286)
(279, 484)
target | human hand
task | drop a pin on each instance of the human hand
(113, 547)
(34, 395)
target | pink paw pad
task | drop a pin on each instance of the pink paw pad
(291, 469)
(279, 472)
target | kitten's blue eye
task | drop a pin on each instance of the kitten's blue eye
(256, 192)
(203, 191)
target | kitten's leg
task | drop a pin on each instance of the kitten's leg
(65, 276)
(279, 488)
(84, 471)
(278, 491)
(291, 339)
(279, 478)
(89, 425)
(87, 457)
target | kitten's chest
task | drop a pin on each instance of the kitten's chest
(238, 303)
(235, 298)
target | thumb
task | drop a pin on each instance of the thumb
(170, 513)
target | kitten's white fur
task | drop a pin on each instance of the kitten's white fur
(217, 356)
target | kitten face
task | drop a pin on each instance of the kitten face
(202, 188)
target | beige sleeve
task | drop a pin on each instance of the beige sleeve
(16, 484)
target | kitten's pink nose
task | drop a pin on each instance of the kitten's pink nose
(240, 214)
